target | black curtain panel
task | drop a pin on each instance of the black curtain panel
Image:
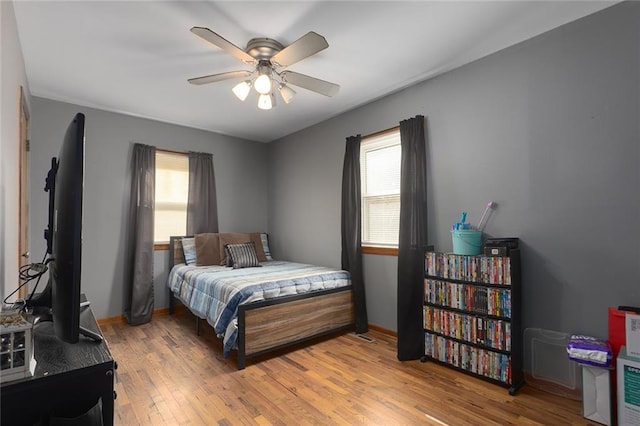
(351, 229)
(139, 257)
(412, 239)
(202, 205)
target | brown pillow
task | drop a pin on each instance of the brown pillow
(230, 238)
(257, 240)
(207, 249)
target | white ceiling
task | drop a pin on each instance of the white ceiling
(134, 57)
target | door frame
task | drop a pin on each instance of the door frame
(23, 214)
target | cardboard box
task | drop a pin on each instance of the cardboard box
(628, 371)
(596, 394)
(632, 332)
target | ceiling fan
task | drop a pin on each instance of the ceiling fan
(269, 60)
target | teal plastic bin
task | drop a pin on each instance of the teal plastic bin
(466, 241)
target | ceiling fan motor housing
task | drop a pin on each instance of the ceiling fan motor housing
(263, 48)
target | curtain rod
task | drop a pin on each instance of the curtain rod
(172, 151)
(382, 132)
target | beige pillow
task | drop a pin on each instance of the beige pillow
(207, 249)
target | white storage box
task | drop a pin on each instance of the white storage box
(628, 370)
(596, 394)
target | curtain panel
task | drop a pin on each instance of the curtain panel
(139, 257)
(351, 229)
(412, 238)
(202, 207)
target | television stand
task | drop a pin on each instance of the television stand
(96, 337)
(44, 315)
(70, 380)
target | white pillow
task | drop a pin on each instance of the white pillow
(189, 250)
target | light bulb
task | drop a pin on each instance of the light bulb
(265, 102)
(287, 93)
(263, 84)
(242, 90)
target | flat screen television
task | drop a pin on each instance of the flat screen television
(60, 300)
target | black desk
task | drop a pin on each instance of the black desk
(68, 381)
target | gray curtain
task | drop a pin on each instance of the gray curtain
(202, 207)
(351, 229)
(412, 238)
(139, 257)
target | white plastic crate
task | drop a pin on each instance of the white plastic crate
(547, 365)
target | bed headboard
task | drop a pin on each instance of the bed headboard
(212, 246)
(175, 251)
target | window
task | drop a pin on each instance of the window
(172, 189)
(380, 171)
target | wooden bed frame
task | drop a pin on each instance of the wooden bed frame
(270, 325)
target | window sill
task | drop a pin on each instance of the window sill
(161, 246)
(384, 251)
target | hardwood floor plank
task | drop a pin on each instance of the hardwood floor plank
(167, 375)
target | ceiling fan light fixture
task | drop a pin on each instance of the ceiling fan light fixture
(263, 84)
(266, 102)
(286, 92)
(241, 90)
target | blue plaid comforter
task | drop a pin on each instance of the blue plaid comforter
(215, 292)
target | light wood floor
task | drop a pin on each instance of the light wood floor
(169, 376)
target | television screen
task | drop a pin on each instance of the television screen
(65, 269)
(65, 183)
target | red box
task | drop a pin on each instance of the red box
(617, 336)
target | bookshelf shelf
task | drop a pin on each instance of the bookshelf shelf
(472, 315)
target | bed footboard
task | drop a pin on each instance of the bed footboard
(270, 325)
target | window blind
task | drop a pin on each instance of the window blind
(172, 189)
(380, 158)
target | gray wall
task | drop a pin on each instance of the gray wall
(240, 170)
(548, 129)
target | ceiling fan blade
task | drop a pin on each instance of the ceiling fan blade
(311, 83)
(219, 77)
(224, 44)
(307, 45)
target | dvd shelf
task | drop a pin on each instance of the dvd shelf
(472, 317)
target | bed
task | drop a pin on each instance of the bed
(261, 309)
